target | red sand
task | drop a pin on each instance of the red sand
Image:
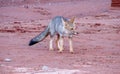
(97, 46)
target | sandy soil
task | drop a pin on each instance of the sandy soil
(97, 46)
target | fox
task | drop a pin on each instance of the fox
(61, 27)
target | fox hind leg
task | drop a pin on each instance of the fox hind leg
(57, 41)
(60, 44)
(51, 44)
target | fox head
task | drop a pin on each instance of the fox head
(70, 26)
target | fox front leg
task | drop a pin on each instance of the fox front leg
(71, 45)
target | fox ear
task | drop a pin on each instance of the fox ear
(72, 19)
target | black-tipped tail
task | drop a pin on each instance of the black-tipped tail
(32, 42)
(39, 37)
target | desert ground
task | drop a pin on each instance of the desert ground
(96, 47)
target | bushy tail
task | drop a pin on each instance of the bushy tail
(40, 37)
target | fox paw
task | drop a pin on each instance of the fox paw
(71, 52)
(60, 51)
(51, 49)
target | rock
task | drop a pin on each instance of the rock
(7, 60)
(45, 68)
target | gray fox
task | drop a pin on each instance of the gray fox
(61, 27)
